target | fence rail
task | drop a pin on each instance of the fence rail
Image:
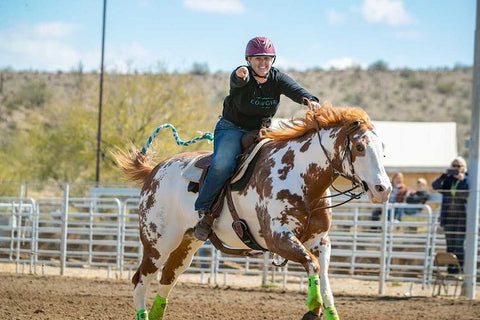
(103, 232)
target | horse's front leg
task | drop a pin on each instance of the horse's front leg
(288, 246)
(322, 249)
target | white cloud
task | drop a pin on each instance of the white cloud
(129, 57)
(51, 46)
(42, 46)
(341, 63)
(55, 29)
(285, 63)
(334, 17)
(40, 54)
(215, 6)
(391, 12)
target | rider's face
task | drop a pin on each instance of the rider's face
(261, 64)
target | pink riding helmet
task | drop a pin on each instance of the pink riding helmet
(260, 46)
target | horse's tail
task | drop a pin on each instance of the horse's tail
(134, 164)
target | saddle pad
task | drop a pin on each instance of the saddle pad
(193, 174)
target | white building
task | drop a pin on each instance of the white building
(418, 146)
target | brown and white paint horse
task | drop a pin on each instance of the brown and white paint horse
(284, 202)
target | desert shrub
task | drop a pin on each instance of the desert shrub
(446, 88)
(379, 65)
(199, 68)
(32, 95)
(355, 99)
(376, 95)
(465, 94)
(407, 73)
(416, 83)
(462, 116)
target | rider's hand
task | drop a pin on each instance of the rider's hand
(315, 105)
(242, 73)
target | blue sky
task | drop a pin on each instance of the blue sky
(53, 35)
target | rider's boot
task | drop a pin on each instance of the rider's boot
(204, 226)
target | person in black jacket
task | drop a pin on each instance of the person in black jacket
(254, 97)
(453, 185)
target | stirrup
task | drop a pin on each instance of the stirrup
(203, 228)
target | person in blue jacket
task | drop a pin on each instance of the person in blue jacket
(453, 185)
(254, 98)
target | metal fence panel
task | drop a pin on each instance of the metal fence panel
(103, 232)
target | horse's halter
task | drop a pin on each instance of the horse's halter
(356, 181)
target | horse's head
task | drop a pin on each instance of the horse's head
(349, 143)
(361, 153)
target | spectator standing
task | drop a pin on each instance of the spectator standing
(453, 185)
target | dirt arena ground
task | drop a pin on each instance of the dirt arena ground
(55, 297)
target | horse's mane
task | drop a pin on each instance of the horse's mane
(326, 116)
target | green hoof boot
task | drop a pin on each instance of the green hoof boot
(158, 308)
(331, 314)
(314, 299)
(141, 315)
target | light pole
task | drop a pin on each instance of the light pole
(471, 247)
(99, 128)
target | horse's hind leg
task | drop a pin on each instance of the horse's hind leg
(178, 261)
(141, 281)
(155, 255)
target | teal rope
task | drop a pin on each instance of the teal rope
(180, 142)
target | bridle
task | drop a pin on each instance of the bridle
(347, 155)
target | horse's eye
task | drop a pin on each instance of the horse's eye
(360, 148)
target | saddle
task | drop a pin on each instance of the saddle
(196, 171)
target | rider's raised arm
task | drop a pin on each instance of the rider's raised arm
(293, 90)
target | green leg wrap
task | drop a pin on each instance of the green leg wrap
(314, 299)
(141, 315)
(331, 314)
(158, 308)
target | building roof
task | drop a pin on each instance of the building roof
(418, 146)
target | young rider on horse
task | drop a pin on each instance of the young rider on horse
(254, 98)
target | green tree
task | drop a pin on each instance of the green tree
(60, 142)
(379, 65)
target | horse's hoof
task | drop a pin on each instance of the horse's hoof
(310, 315)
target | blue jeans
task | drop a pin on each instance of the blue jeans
(226, 148)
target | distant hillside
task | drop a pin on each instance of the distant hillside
(401, 95)
(43, 111)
